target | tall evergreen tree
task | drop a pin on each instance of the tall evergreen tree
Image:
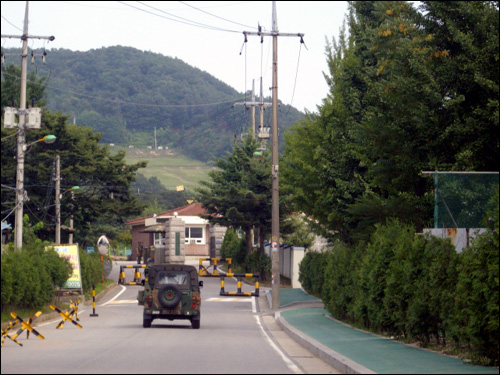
(409, 91)
(238, 194)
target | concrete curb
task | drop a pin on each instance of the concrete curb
(334, 359)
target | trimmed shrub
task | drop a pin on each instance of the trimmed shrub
(92, 269)
(258, 262)
(311, 272)
(233, 247)
(476, 318)
(30, 276)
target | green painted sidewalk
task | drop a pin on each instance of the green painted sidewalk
(376, 353)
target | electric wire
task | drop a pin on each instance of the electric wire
(213, 15)
(10, 23)
(295, 82)
(131, 103)
(186, 21)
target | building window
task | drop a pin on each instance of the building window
(195, 235)
(158, 237)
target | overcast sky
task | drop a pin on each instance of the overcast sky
(204, 34)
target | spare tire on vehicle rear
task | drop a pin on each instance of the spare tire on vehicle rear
(169, 296)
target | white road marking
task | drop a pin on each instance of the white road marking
(115, 297)
(228, 299)
(283, 356)
(122, 302)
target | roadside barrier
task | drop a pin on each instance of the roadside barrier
(137, 275)
(93, 302)
(240, 277)
(24, 326)
(30, 321)
(66, 315)
(5, 332)
(203, 271)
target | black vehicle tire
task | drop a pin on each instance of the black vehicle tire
(146, 320)
(195, 322)
(169, 296)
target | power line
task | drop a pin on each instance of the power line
(213, 15)
(186, 21)
(131, 103)
(10, 23)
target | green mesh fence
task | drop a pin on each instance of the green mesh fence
(462, 199)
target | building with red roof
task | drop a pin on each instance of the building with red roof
(199, 233)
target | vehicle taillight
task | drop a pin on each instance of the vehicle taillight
(149, 301)
(195, 302)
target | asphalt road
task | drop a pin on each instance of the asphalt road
(233, 339)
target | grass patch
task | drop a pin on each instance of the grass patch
(98, 289)
(171, 170)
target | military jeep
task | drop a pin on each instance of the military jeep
(171, 291)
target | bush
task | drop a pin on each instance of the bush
(92, 269)
(233, 247)
(30, 276)
(258, 262)
(311, 271)
(339, 280)
(476, 317)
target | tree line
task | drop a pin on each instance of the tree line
(410, 90)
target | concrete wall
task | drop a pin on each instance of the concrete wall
(290, 258)
(459, 237)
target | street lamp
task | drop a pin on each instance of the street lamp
(47, 139)
(21, 150)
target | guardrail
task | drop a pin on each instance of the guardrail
(137, 275)
(203, 271)
(239, 292)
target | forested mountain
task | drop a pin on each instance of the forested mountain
(126, 93)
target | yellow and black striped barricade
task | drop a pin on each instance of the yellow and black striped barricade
(66, 316)
(74, 311)
(203, 271)
(31, 320)
(5, 332)
(137, 275)
(26, 326)
(93, 302)
(239, 277)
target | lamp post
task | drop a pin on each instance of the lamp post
(28, 119)
(22, 149)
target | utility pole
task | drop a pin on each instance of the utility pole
(252, 104)
(21, 137)
(275, 253)
(156, 145)
(58, 200)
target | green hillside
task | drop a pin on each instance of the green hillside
(128, 94)
(171, 170)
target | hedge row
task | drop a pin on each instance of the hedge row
(92, 269)
(414, 287)
(30, 276)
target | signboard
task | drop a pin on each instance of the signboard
(90, 249)
(71, 253)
